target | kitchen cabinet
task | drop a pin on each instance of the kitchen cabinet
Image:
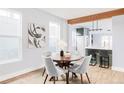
(105, 24)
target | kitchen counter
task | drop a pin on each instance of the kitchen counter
(99, 48)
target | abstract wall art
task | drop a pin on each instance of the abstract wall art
(36, 36)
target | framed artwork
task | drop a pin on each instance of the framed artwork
(36, 36)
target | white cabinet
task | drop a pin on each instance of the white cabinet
(101, 39)
(105, 24)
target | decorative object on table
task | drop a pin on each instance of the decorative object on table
(36, 36)
(67, 55)
(61, 53)
(62, 45)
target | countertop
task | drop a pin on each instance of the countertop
(100, 48)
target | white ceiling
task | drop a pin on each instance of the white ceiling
(70, 13)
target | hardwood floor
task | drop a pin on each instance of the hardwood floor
(97, 76)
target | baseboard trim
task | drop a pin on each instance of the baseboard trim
(16, 74)
(118, 69)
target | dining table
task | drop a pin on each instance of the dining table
(66, 61)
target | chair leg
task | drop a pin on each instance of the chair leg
(72, 75)
(51, 78)
(100, 62)
(108, 62)
(54, 79)
(43, 71)
(81, 78)
(88, 77)
(45, 79)
(57, 78)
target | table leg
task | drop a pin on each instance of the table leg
(67, 77)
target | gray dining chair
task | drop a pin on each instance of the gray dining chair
(78, 61)
(81, 68)
(45, 54)
(52, 70)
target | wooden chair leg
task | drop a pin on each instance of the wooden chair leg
(45, 79)
(43, 71)
(81, 78)
(88, 78)
(54, 79)
(74, 75)
(51, 78)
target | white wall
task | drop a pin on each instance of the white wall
(31, 57)
(118, 42)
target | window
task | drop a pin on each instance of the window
(10, 37)
(54, 36)
(74, 40)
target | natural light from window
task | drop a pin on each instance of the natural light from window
(54, 36)
(10, 37)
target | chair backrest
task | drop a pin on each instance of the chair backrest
(47, 53)
(50, 67)
(44, 55)
(83, 68)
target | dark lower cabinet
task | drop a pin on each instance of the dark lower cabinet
(100, 57)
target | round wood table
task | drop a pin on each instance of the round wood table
(65, 61)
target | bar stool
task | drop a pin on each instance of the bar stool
(104, 59)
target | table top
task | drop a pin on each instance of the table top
(71, 57)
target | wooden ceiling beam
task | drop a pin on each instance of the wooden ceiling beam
(98, 16)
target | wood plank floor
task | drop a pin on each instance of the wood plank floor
(97, 76)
